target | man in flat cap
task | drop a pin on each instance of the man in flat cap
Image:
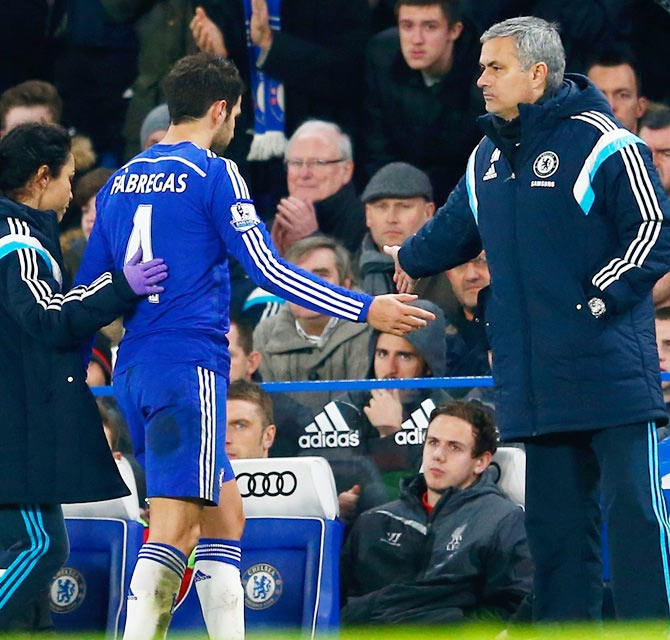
(398, 200)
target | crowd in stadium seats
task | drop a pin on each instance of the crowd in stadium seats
(376, 108)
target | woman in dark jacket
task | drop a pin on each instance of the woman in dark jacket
(52, 447)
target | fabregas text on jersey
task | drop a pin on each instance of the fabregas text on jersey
(149, 183)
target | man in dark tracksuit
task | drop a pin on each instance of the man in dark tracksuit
(452, 547)
(574, 222)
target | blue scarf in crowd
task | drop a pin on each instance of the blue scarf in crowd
(268, 95)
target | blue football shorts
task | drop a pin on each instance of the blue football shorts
(176, 414)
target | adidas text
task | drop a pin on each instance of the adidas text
(332, 440)
(410, 436)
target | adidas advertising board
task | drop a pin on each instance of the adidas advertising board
(413, 430)
(330, 430)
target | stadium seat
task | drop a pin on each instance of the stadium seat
(290, 548)
(89, 592)
(509, 465)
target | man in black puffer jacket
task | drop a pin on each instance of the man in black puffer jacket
(573, 218)
(452, 547)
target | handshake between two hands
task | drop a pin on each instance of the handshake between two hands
(393, 313)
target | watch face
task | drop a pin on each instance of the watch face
(597, 307)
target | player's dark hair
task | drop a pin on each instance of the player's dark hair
(31, 93)
(452, 9)
(245, 333)
(252, 392)
(479, 417)
(196, 82)
(615, 57)
(656, 118)
(25, 149)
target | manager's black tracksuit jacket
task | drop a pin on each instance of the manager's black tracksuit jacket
(574, 221)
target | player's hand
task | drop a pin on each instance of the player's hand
(403, 282)
(348, 501)
(207, 36)
(143, 278)
(259, 26)
(384, 411)
(390, 313)
(297, 217)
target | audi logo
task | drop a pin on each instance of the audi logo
(272, 484)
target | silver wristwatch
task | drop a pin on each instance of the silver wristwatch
(597, 307)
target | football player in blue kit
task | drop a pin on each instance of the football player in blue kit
(180, 200)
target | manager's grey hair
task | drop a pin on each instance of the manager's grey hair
(536, 41)
(319, 128)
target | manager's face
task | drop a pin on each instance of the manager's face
(502, 79)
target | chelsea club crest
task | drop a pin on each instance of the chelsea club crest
(263, 586)
(68, 590)
(545, 164)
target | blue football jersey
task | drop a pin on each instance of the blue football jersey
(192, 208)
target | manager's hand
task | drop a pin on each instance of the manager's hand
(403, 282)
(390, 313)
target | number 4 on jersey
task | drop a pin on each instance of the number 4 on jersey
(140, 236)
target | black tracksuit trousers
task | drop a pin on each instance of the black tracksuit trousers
(568, 475)
(33, 547)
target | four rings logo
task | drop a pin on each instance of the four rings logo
(271, 484)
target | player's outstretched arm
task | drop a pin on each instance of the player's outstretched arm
(391, 313)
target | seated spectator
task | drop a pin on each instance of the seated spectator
(615, 73)
(99, 372)
(662, 322)
(452, 548)
(321, 196)
(154, 126)
(30, 101)
(655, 131)
(421, 102)
(118, 438)
(398, 200)
(73, 241)
(300, 344)
(250, 430)
(467, 344)
(289, 416)
(250, 433)
(385, 425)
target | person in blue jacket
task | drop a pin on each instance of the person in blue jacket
(572, 216)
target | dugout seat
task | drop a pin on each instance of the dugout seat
(509, 468)
(290, 548)
(89, 592)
